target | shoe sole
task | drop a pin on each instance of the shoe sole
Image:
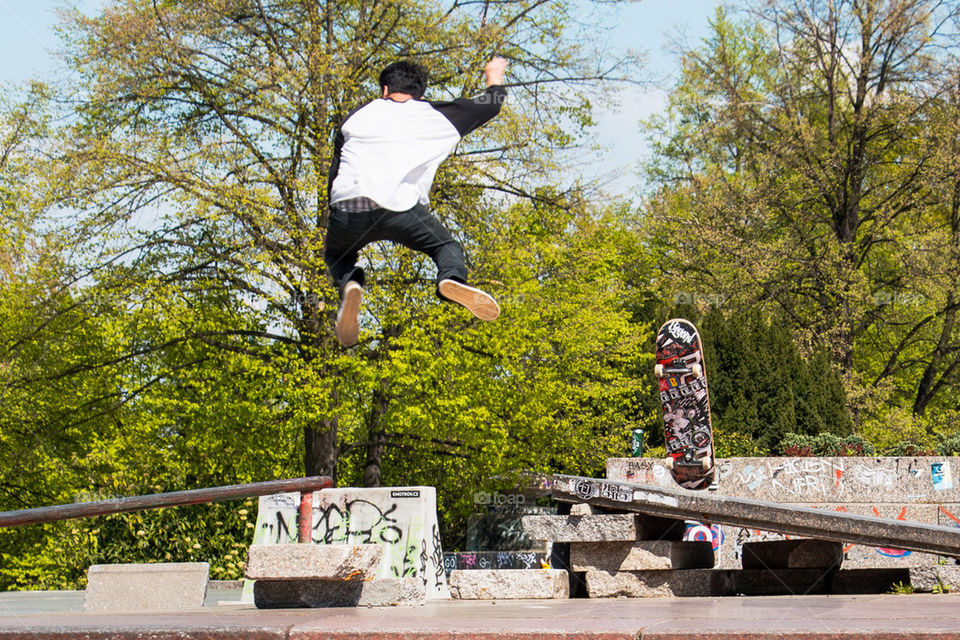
(348, 320)
(477, 302)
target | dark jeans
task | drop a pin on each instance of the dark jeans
(349, 232)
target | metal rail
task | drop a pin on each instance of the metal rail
(306, 486)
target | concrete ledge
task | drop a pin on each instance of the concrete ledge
(139, 587)
(639, 556)
(479, 560)
(613, 527)
(928, 579)
(313, 561)
(792, 554)
(383, 592)
(660, 584)
(510, 584)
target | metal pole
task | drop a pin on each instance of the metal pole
(159, 500)
(306, 517)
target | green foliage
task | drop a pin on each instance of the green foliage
(901, 588)
(761, 387)
(941, 588)
(176, 332)
(949, 446)
(785, 183)
(56, 556)
(825, 444)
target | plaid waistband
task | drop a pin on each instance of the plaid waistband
(355, 205)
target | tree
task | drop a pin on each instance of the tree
(185, 177)
(804, 148)
(220, 114)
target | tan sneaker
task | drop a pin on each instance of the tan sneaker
(347, 328)
(479, 303)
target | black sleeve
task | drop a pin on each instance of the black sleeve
(466, 114)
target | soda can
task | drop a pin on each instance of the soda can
(637, 444)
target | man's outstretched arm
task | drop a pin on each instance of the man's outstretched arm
(466, 114)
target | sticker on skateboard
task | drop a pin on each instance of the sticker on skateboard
(686, 404)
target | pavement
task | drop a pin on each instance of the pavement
(878, 617)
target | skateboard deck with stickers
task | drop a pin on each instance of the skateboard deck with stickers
(686, 404)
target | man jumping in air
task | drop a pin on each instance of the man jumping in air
(385, 156)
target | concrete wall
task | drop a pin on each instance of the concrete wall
(919, 489)
(403, 520)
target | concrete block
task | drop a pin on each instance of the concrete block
(792, 554)
(931, 480)
(660, 584)
(614, 527)
(383, 592)
(313, 561)
(928, 579)
(581, 509)
(783, 582)
(401, 520)
(928, 480)
(639, 556)
(510, 585)
(136, 587)
(868, 581)
(480, 560)
(948, 515)
(639, 470)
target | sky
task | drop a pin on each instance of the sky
(28, 44)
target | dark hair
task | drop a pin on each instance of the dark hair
(404, 77)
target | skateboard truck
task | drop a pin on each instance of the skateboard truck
(689, 460)
(664, 371)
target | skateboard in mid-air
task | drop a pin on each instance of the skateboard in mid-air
(686, 404)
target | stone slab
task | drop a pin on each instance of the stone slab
(382, 592)
(660, 584)
(930, 579)
(313, 561)
(510, 584)
(783, 582)
(481, 560)
(614, 527)
(639, 556)
(792, 554)
(141, 587)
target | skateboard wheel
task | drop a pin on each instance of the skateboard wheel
(696, 370)
(706, 463)
(668, 463)
(658, 370)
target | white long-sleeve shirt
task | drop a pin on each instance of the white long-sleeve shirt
(389, 151)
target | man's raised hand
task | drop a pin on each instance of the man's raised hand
(495, 70)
